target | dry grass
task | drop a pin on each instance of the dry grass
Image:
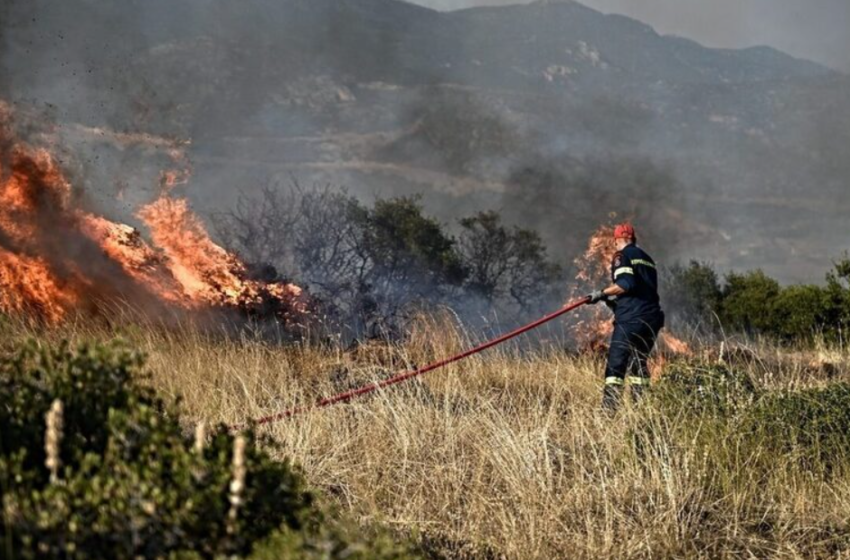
(507, 454)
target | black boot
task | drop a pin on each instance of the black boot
(612, 397)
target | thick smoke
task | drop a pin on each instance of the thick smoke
(551, 113)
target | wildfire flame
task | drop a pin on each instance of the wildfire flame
(56, 258)
(595, 327)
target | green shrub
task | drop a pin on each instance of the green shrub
(698, 390)
(332, 540)
(811, 427)
(747, 301)
(693, 409)
(798, 313)
(756, 304)
(131, 484)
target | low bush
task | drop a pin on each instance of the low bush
(94, 465)
(719, 413)
(810, 427)
(699, 390)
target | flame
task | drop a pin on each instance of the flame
(594, 264)
(206, 273)
(675, 345)
(595, 327)
(28, 286)
(57, 258)
(32, 193)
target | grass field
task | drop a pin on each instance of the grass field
(508, 455)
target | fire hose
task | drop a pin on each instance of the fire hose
(406, 376)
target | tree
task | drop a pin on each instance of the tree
(747, 301)
(410, 258)
(505, 263)
(800, 312)
(838, 294)
(692, 293)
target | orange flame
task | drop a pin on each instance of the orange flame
(28, 286)
(207, 273)
(57, 258)
(595, 326)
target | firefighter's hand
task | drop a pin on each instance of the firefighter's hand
(596, 297)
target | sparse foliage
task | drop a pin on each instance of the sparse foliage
(370, 266)
(505, 264)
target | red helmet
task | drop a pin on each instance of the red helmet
(624, 231)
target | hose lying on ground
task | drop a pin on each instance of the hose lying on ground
(405, 376)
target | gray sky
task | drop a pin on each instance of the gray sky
(815, 29)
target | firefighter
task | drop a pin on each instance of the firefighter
(638, 318)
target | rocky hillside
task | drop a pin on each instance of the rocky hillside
(552, 111)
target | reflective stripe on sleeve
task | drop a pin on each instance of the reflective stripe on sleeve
(638, 380)
(613, 381)
(643, 262)
(623, 270)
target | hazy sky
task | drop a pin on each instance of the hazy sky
(815, 29)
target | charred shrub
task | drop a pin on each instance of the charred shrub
(370, 269)
(94, 465)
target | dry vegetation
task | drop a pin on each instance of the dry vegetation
(508, 455)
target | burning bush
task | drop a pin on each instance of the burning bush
(57, 258)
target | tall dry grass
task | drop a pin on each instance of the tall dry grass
(507, 454)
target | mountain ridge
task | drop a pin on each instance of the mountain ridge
(550, 101)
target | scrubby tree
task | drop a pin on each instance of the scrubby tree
(692, 293)
(410, 257)
(505, 265)
(747, 299)
(364, 265)
(838, 290)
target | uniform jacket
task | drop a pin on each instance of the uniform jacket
(634, 271)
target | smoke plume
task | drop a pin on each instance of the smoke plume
(551, 113)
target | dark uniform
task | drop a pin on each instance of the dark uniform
(638, 319)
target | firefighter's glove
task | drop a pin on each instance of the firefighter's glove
(596, 297)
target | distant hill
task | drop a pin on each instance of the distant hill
(734, 155)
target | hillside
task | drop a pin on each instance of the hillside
(739, 153)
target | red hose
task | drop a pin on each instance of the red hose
(402, 377)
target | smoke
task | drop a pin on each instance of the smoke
(556, 121)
